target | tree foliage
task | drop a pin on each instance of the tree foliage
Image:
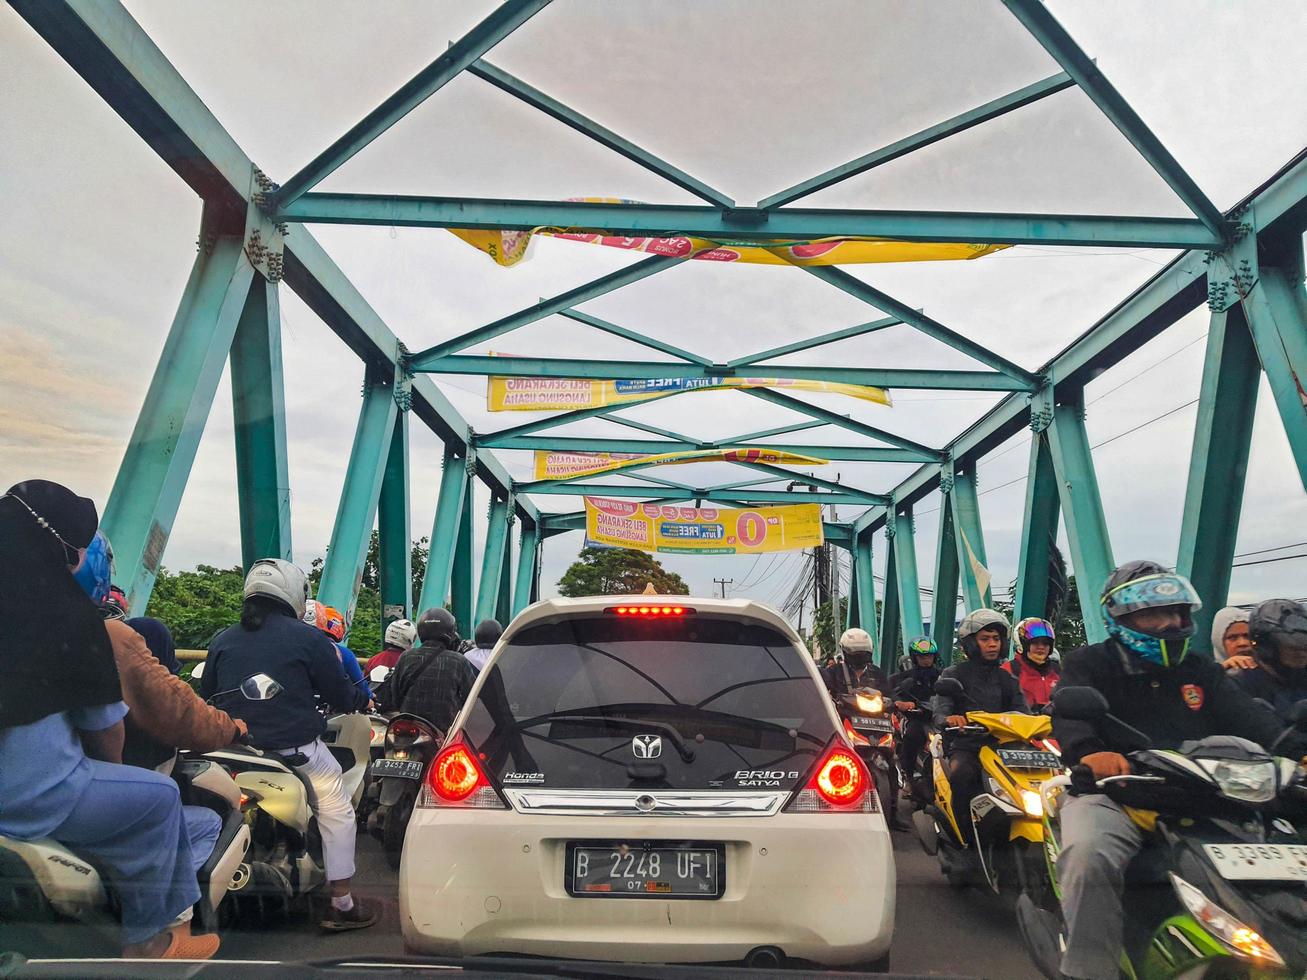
(826, 628)
(617, 571)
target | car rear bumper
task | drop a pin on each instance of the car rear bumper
(817, 886)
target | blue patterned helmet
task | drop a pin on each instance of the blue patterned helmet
(1140, 585)
(95, 573)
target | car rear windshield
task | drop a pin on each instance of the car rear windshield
(688, 703)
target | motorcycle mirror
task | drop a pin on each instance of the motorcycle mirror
(260, 687)
(949, 687)
(1080, 703)
(378, 674)
(197, 671)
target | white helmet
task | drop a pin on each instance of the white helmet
(856, 641)
(401, 633)
(280, 580)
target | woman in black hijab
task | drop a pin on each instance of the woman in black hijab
(61, 730)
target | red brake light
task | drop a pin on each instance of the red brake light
(405, 729)
(649, 611)
(840, 778)
(455, 775)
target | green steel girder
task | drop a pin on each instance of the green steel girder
(969, 536)
(641, 475)
(634, 336)
(910, 144)
(784, 473)
(259, 411)
(422, 360)
(445, 530)
(749, 224)
(864, 582)
(568, 367)
(501, 22)
(1277, 316)
(651, 429)
(840, 535)
(528, 563)
(843, 421)
(890, 620)
(588, 127)
(462, 587)
(504, 603)
(1218, 465)
(557, 488)
(1039, 530)
(904, 545)
(851, 606)
(147, 492)
(752, 437)
(492, 560)
(867, 454)
(1039, 21)
(394, 529)
(945, 591)
(342, 569)
(819, 341)
(739, 484)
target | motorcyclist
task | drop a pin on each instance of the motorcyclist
(1279, 633)
(983, 636)
(1232, 646)
(1150, 682)
(399, 637)
(331, 621)
(272, 639)
(485, 637)
(1033, 666)
(434, 679)
(911, 687)
(855, 669)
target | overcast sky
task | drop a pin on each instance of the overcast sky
(98, 235)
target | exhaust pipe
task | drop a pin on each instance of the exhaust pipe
(764, 958)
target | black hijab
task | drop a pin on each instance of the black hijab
(55, 653)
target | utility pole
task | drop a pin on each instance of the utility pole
(723, 582)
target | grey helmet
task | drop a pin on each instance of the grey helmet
(977, 620)
(278, 579)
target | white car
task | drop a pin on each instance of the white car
(657, 780)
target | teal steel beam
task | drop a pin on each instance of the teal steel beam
(945, 595)
(1218, 465)
(1277, 317)
(492, 559)
(394, 530)
(558, 523)
(973, 565)
(1082, 509)
(866, 454)
(588, 127)
(926, 137)
(843, 421)
(504, 604)
(931, 328)
(903, 541)
(557, 488)
(445, 531)
(890, 622)
(570, 367)
(259, 411)
(750, 438)
(837, 534)
(750, 224)
(651, 429)
(641, 475)
(1039, 529)
(634, 336)
(864, 582)
(148, 489)
(1044, 27)
(817, 482)
(342, 569)
(634, 272)
(501, 22)
(528, 564)
(747, 483)
(818, 341)
(851, 605)
(462, 585)
(494, 439)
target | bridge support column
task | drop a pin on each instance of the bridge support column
(492, 560)
(504, 604)
(394, 532)
(142, 506)
(1039, 528)
(462, 586)
(1277, 315)
(528, 560)
(945, 596)
(444, 531)
(864, 585)
(905, 578)
(357, 511)
(259, 409)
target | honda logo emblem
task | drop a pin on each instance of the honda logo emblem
(647, 746)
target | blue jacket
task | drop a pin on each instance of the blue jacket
(301, 658)
(353, 671)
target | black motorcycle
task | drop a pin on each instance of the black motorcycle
(868, 722)
(411, 743)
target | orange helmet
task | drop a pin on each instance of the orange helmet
(326, 618)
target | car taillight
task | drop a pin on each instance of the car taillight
(455, 778)
(839, 783)
(649, 611)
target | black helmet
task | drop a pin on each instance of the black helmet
(1273, 624)
(438, 623)
(487, 633)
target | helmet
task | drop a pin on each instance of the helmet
(1140, 585)
(855, 644)
(332, 622)
(980, 619)
(487, 633)
(923, 646)
(278, 579)
(401, 633)
(1032, 628)
(438, 623)
(96, 572)
(115, 605)
(1272, 625)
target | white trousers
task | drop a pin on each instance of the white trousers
(333, 809)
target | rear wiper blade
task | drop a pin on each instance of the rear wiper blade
(629, 724)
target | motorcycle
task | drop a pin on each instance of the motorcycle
(47, 889)
(918, 786)
(867, 722)
(1218, 888)
(1005, 849)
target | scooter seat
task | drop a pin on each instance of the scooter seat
(70, 883)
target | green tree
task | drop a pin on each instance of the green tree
(196, 605)
(617, 571)
(826, 629)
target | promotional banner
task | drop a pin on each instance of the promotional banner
(508, 248)
(701, 530)
(560, 394)
(555, 465)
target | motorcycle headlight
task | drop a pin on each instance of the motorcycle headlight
(1032, 803)
(1252, 782)
(871, 704)
(1238, 936)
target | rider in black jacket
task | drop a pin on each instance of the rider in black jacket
(1278, 628)
(910, 689)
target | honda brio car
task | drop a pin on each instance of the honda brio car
(656, 780)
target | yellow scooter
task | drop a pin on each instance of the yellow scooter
(999, 838)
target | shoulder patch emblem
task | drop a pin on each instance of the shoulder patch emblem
(1192, 695)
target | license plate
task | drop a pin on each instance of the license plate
(640, 869)
(872, 723)
(1029, 759)
(403, 768)
(1259, 862)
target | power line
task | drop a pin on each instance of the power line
(1267, 561)
(1264, 551)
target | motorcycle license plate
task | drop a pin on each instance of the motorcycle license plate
(1029, 759)
(638, 869)
(403, 768)
(1259, 862)
(871, 723)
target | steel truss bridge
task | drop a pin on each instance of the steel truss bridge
(1245, 264)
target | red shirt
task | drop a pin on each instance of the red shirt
(1036, 685)
(386, 658)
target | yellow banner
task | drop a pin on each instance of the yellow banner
(560, 394)
(701, 530)
(555, 465)
(508, 248)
